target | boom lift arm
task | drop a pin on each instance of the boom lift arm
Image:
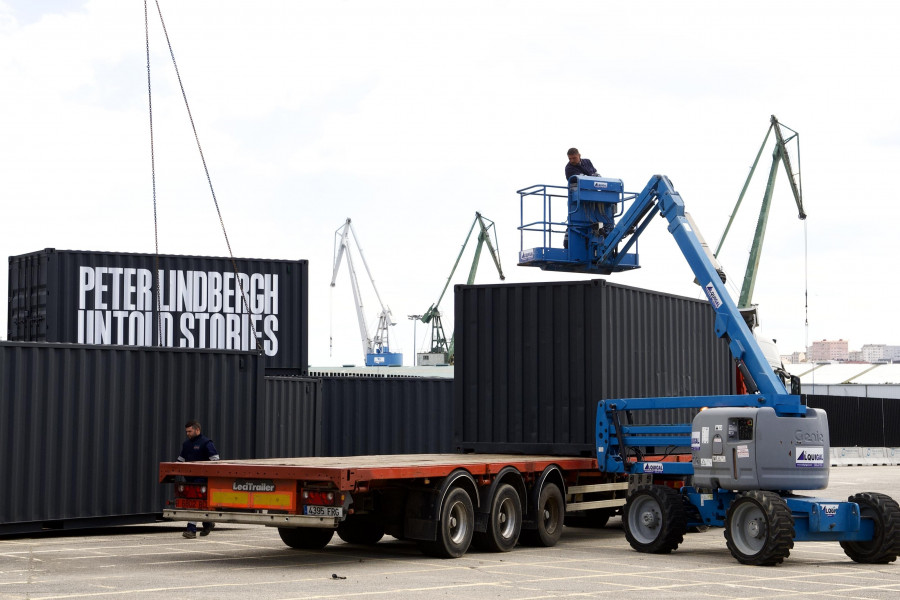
(376, 348)
(433, 315)
(608, 249)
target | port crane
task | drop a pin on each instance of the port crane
(376, 348)
(780, 156)
(441, 351)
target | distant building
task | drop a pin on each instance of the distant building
(892, 354)
(794, 358)
(873, 353)
(856, 356)
(826, 350)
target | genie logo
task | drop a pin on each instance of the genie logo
(809, 436)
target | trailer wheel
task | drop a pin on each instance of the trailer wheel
(655, 520)
(504, 522)
(306, 538)
(455, 528)
(551, 512)
(366, 529)
(884, 546)
(759, 528)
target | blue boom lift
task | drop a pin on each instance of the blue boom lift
(748, 452)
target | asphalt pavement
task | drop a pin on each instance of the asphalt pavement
(235, 561)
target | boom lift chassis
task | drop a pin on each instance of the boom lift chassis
(747, 451)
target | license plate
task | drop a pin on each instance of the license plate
(323, 511)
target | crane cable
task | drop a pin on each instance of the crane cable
(205, 169)
(153, 178)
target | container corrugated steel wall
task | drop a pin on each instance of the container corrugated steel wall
(109, 298)
(290, 418)
(857, 421)
(386, 416)
(533, 360)
(85, 427)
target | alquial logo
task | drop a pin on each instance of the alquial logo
(811, 457)
(712, 295)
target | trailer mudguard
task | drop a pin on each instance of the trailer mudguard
(551, 474)
(423, 507)
(510, 475)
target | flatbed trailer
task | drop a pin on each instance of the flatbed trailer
(445, 502)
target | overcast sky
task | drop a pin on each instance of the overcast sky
(410, 116)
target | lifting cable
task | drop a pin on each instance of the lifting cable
(153, 178)
(205, 169)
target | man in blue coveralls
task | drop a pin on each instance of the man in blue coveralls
(578, 165)
(196, 448)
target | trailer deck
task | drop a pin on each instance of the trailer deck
(349, 473)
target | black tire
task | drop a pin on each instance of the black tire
(884, 546)
(551, 513)
(759, 528)
(306, 538)
(366, 529)
(455, 528)
(504, 522)
(654, 519)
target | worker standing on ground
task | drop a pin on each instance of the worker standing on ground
(196, 448)
(578, 165)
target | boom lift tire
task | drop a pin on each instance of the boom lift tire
(456, 526)
(655, 520)
(759, 528)
(504, 522)
(884, 546)
(306, 538)
(364, 529)
(551, 510)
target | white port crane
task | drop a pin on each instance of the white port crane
(376, 348)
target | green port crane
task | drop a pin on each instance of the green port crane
(439, 344)
(779, 156)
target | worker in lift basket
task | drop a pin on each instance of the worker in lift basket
(577, 166)
(195, 448)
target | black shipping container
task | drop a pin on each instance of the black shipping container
(860, 421)
(85, 427)
(386, 416)
(290, 418)
(110, 298)
(534, 359)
